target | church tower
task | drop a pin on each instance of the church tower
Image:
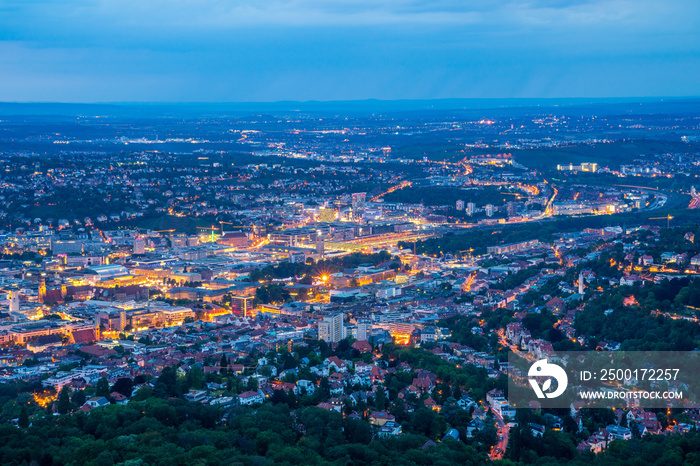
(42, 289)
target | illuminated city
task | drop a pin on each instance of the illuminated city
(323, 234)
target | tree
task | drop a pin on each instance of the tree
(634, 428)
(23, 420)
(142, 393)
(166, 385)
(324, 388)
(252, 384)
(267, 294)
(438, 427)
(102, 387)
(357, 431)
(195, 377)
(64, 404)
(278, 396)
(79, 397)
(306, 280)
(124, 386)
(422, 420)
(266, 370)
(380, 399)
(449, 409)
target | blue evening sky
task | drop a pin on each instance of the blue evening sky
(271, 50)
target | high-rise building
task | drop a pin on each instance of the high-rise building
(358, 206)
(139, 246)
(471, 207)
(242, 305)
(14, 301)
(331, 328)
(363, 329)
(42, 289)
(510, 208)
(111, 320)
(489, 210)
(580, 283)
(460, 205)
(66, 246)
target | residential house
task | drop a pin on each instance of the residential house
(250, 397)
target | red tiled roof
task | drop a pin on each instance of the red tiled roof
(362, 346)
(97, 351)
(84, 336)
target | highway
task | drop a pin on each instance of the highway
(695, 202)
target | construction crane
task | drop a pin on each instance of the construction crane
(213, 229)
(163, 231)
(252, 227)
(668, 219)
(236, 226)
(470, 250)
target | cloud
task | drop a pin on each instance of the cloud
(218, 15)
(345, 49)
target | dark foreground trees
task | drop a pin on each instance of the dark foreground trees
(175, 432)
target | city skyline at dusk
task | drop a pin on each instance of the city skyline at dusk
(352, 232)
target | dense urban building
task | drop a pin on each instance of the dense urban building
(356, 283)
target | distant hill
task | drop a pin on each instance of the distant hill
(511, 107)
(170, 222)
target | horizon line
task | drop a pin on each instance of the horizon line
(316, 101)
